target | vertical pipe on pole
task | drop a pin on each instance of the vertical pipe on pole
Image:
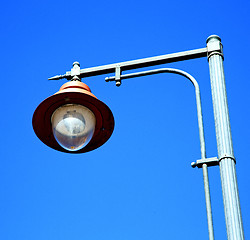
(201, 132)
(203, 156)
(230, 192)
(208, 202)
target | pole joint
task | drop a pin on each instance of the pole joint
(214, 46)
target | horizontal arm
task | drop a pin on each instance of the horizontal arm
(134, 64)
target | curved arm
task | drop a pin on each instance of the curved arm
(118, 79)
(197, 94)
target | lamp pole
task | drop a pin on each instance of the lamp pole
(224, 141)
(225, 159)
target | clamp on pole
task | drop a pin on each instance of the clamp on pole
(227, 156)
(214, 161)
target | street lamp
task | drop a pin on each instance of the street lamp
(74, 120)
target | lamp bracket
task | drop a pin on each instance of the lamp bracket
(118, 76)
(75, 72)
(214, 161)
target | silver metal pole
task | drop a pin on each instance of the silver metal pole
(224, 141)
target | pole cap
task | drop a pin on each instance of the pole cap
(213, 38)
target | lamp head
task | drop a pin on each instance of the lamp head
(73, 120)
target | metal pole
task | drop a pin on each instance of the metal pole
(224, 141)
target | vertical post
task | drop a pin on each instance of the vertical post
(230, 192)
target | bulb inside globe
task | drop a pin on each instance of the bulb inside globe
(73, 126)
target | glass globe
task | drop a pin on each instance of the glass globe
(73, 126)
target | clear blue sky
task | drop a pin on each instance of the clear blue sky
(139, 185)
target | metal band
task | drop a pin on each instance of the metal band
(228, 156)
(213, 53)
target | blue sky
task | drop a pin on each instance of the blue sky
(139, 185)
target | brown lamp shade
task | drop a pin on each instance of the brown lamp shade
(73, 92)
